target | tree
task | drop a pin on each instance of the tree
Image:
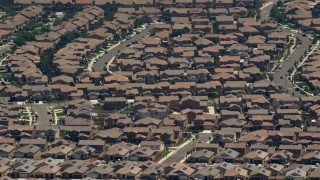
(57, 22)
(19, 41)
(251, 13)
(166, 15)
(257, 3)
(53, 15)
(68, 15)
(258, 16)
(276, 14)
(152, 32)
(315, 39)
(138, 23)
(68, 37)
(8, 8)
(45, 64)
(123, 35)
(130, 30)
(315, 13)
(44, 17)
(280, 3)
(271, 77)
(45, 29)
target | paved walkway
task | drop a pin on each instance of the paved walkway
(266, 5)
(109, 63)
(55, 116)
(28, 109)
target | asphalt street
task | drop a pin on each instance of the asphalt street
(265, 10)
(42, 111)
(280, 78)
(181, 153)
(101, 62)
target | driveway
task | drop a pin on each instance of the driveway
(99, 66)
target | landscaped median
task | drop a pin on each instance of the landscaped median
(57, 114)
(28, 116)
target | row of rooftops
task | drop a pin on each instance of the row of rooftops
(166, 84)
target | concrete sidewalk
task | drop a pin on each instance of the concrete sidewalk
(266, 5)
(109, 63)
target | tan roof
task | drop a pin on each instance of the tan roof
(48, 169)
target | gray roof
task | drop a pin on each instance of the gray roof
(110, 133)
(207, 171)
(30, 148)
(19, 162)
(296, 173)
(104, 169)
(84, 150)
(228, 153)
(26, 168)
(6, 148)
(152, 143)
(202, 153)
(47, 161)
(33, 141)
(152, 170)
(69, 163)
(76, 169)
(91, 142)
